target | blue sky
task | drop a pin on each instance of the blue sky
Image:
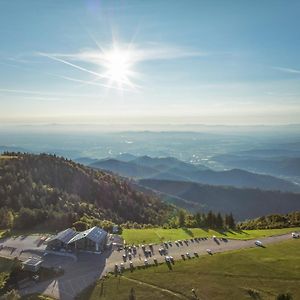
(207, 62)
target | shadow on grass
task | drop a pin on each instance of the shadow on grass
(237, 231)
(188, 231)
(222, 232)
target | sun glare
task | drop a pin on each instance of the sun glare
(118, 63)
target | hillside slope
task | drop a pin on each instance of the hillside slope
(56, 186)
(243, 203)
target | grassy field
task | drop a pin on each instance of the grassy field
(156, 235)
(260, 272)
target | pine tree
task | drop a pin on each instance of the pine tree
(181, 218)
(219, 221)
(231, 222)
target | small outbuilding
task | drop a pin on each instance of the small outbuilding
(93, 239)
(61, 239)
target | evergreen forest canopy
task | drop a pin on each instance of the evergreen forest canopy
(54, 191)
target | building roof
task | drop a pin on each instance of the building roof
(95, 234)
(33, 261)
(64, 236)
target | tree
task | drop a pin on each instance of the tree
(287, 296)
(181, 218)
(6, 218)
(198, 219)
(210, 219)
(219, 221)
(11, 295)
(81, 226)
(132, 294)
(231, 222)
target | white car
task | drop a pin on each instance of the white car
(258, 243)
(209, 251)
(295, 235)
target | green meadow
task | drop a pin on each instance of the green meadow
(256, 273)
(157, 235)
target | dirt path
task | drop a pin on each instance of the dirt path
(177, 295)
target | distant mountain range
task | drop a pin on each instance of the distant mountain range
(169, 168)
(278, 166)
(243, 203)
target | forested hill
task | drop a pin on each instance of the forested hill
(43, 188)
(243, 203)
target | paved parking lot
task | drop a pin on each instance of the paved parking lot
(22, 247)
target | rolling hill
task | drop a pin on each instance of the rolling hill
(243, 203)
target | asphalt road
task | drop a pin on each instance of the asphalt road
(89, 267)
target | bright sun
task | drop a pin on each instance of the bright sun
(118, 65)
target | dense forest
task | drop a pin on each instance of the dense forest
(243, 203)
(272, 221)
(50, 190)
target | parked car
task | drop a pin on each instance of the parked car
(258, 243)
(209, 251)
(122, 267)
(295, 235)
(162, 251)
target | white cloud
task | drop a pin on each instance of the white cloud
(287, 70)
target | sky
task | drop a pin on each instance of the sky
(150, 62)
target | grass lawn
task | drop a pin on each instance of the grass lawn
(264, 272)
(156, 235)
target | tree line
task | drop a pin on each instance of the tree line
(272, 221)
(203, 220)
